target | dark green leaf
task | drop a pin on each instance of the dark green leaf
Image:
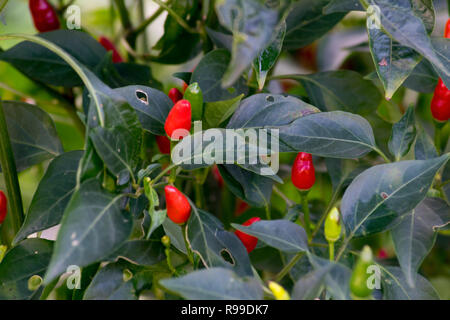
(403, 135)
(32, 133)
(416, 234)
(340, 90)
(214, 284)
(252, 24)
(93, 226)
(280, 234)
(383, 193)
(212, 243)
(53, 194)
(423, 78)
(209, 73)
(45, 66)
(28, 258)
(109, 284)
(424, 148)
(310, 286)
(343, 6)
(307, 22)
(395, 286)
(217, 112)
(140, 252)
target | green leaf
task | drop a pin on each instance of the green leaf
(152, 106)
(219, 111)
(252, 24)
(343, 6)
(310, 285)
(214, 284)
(109, 284)
(28, 258)
(32, 132)
(93, 226)
(395, 286)
(157, 219)
(423, 78)
(307, 22)
(424, 148)
(175, 234)
(383, 193)
(403, 135)
(53, 194)
(216, 246)
(280, 234)
(119, 142)
(42, 65)
(209, 73)
(401, 21)
(267, 58)
(140, 252)
(340, 90)
(415, 235)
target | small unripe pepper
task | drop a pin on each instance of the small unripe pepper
(333, 226)
(3, 207)
(194, 95)
(163, 144)
(178, 207)
(248, 240)
(358, 280)
(303, 173)
(175, 95)
(179, 117)
(166, 241)
(44, 15)
(109, 46)
(278, 291)
(34, 282)
(440, 105)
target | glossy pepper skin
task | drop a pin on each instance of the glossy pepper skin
(3, 207)
(175, 95)
(179, 117)
(44, 15)
(163, 144)
(248, 240)
(194, 95)
(333, 226)
(178, 207)
(303, 173)
(109, 46)
(440, 105)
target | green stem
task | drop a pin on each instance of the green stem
(288, 267)
(186, 243)
(8, 165)
(169, 262)
(198, 194)
(268, 214)
(438, 135)
(331, 250)
(2, 5)
(305, 208)
(324, 215)
(175, 15)
(159, 176)
(148, 21)
(381, 153)
(288, 201)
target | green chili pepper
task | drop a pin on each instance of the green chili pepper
(358, 282)
(194, 95)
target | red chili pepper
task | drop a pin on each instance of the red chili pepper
(3, 207)
(175, 95)
(303, 173)
(109, 46)
(248, 240)
(44, 15)
(179, 118)
(217, 176)
(178, 207)
(163, 144)
(241, 207)
(440, 105)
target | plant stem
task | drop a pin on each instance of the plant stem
(8, 165)
(159, 176)
(148, 21)
(289, 202)
(175, 15)
(331, 250)
(186, 243)
(324, 215)
(381, 153)
(305, 208)
(438, 135)
(288, 267)
(169, 262)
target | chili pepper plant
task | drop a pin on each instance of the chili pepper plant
(249, 150)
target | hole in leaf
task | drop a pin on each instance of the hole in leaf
(270, 99)
(141, 95)
(226, 255)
